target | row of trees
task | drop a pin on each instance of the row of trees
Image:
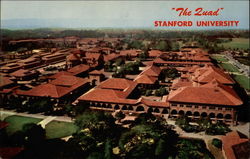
(163, 45)
(42, 105)
(135, 33)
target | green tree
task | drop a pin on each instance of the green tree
(82, 141)
(119, 62)
(163, 46)
(169, 73)
(161, 91)
(34, 134)
(69, 109)
(175, 46)
(100, 125)
(148, 92)
(136, 44)
(108, 154)
(141, 141)
(160, 148)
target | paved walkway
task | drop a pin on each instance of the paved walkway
(45, 121)
(4, 114)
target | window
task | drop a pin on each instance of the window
(219, 108)
(211, 107)
(181, 105)
(204, 107)
(174, 105)
(228, 108)
(189, 106)
(196, 106)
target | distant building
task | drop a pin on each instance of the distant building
(130, 54)
(63, 88)
(183, 58)
(24, 75)
(96, 77)
(213, 100)
(115, 94)
(148, 78)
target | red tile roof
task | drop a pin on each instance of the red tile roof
(106, 95)
(208, 73)
(177, 83)
(116, 84)
(73, 57)
(211, 93)
(193, 68)
(4, 81)
(148, 63)
(111, 56)
(153, 103)
(183, 69)
(78, 69)
(59, 74)
(22, 73)
(229, 143)
(95, 72)
(154, 53)
(45, 90)
(114, 96)
(57, 88)
(144, 79)
(130, 52)
(66, 80)
(95, 56)
(151, 71)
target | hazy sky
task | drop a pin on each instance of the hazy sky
(120, 13)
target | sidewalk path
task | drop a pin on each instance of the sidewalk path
(44, 122)
(4, 114)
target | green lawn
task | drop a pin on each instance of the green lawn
(241, 43)
(243, 81)
(16, 122)
(58, 129)
(219, 58)
(229, 67)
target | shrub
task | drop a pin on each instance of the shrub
(148, 92)
(218, 129)
(217, 143)
(161, 91)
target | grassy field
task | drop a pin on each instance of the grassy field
(58, 129)
(229, 67)
(241, 43)
(219, 58)
(16, 122)
(243, 81)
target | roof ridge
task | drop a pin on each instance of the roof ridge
(231, 95)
